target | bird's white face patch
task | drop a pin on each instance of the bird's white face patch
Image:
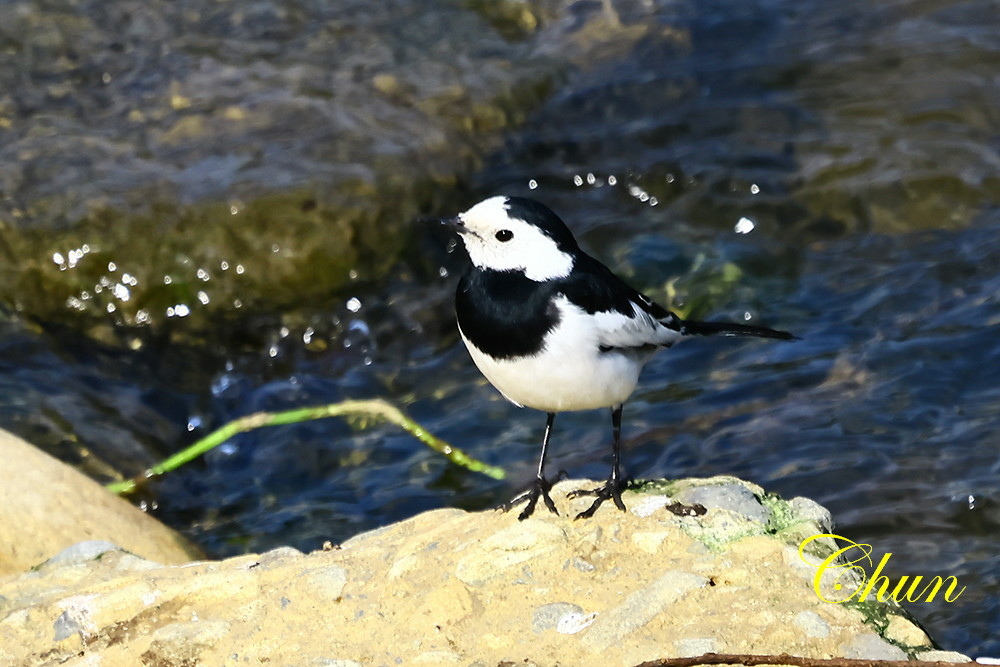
(499, 242)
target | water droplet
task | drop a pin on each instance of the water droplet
(443, 272)
(240, 269)
(112, 266)
(745, 226)
(203, 275)
(223, 382)
(224, 265)
(612, 180)
(532, 184)
(203, 297)
(354, 304)
(58, 258)
(167, 280)
(754, 189)
(577, 180)
(121, 292)
(591, 179)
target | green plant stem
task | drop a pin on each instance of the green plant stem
(372, 408)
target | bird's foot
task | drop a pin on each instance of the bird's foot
(540, 488)
(611, 490)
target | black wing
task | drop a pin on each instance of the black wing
(625, 317)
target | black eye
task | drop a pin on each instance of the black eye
(504, 235)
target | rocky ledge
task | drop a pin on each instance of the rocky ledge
(694, 566)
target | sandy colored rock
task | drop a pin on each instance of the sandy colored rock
(451, 587)
(904, 631)
(46, 506)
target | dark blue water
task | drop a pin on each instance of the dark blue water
(859, 140)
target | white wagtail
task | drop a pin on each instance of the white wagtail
(554, 329)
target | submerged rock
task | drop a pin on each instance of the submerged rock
(448, 586)
(164, 167)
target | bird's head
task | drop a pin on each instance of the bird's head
(517, 234)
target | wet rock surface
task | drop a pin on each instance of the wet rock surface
(451, 587)
(192, 161)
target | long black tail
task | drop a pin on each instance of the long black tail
(691, 328)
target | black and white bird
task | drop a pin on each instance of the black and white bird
(554, 329)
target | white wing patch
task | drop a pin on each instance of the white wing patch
(615, 329)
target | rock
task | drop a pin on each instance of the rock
(685, 648)
(548, 616)
(362, 124)
(809, 510)
(35, 526)
(451, 587)
(812, 624)
(639, 608)
(905, 632)
(869, 646)
(507, 549)
(81, 553)
(734, 509)
(736, 498)
(943, 656)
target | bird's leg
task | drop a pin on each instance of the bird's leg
(612, 488)
(541, 485)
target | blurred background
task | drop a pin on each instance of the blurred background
(212, 208)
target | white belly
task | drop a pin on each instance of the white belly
(570, 373)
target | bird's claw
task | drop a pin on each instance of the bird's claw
(541, 488)
(611, 490)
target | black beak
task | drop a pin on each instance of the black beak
(455, 224)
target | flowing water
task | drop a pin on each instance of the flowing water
(826, 168)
